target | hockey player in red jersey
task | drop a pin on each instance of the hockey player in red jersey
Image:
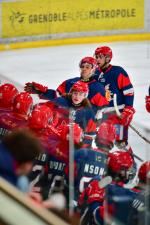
(96, 93)
(49, 166)
(18, 116)
(39, 119)
(147, 101)
(7, 95)
(116, 81)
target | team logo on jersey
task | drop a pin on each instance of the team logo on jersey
(108, 93)
(101, 78)
(73, 115)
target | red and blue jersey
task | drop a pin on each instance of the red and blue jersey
(9, 121)
(89, 163)
(96, 94)
(118, 204)
(84, 116)
(47, 172)
(116, 81)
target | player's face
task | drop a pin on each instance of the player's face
(101, 60)
(77, 97)
(86, 70)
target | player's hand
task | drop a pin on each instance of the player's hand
(147, 103)
(35, 88)
(126, 116)
(93, 193)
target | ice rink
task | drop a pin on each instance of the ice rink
(52, 65)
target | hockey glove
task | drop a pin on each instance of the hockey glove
(93, 193)
(147, 102)
(35, 88)
(126, 116)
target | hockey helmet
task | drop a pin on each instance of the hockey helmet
(7, 95)
(89, 60)
(22, 103)
(80, 86)
(106, 134)
(119, 160)
(77, 132)
(104, 50)
(144, 171)
(40, 117)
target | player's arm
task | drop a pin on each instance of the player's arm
(41, 90)
(126, 87)
(147, 101)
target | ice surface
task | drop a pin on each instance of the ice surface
(52, 65)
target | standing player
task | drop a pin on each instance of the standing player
(116, 81)
(147, 101)
(96, 93)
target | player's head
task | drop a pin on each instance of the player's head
(79, 92)
(66, 130)
(40, 117)
(23, 103)
(103, 55)
(144, 172)
(106, 135)
(120, 165)
(7, 95)
(87, 66)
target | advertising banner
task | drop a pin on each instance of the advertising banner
(36, 17)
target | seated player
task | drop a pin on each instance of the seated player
(140, 211)
(115, 197)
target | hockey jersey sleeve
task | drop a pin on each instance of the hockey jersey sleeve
(147, 101)
(62, 88)
(125, 85)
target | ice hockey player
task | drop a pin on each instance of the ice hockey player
(18, 116)
(7, 95)
(80, 110)
(38, 123)
(113, 202)
(91, 162)
(48, 171)
(116, 81)
(96, 94)
(147, 101)
(140, 212)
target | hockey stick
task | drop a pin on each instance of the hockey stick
(131, 126)
(105, 181)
